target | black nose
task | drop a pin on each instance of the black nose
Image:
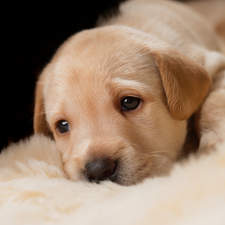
(100, 170)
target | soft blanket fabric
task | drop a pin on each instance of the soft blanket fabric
(34, 190)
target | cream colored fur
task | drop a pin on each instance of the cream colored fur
(159, 51)
(213, 11)
(35, 190)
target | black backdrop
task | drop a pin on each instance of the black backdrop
(31, 34)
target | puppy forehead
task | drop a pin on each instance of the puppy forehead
(92, 61)
(96, 56)
(79, 81)
(103, 49)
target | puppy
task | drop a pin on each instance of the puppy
(118, 98)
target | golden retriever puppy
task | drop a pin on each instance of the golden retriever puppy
(117, 98)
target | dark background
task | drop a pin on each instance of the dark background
(31, 34)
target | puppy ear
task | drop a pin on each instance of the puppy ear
(186, 83)
(40, 123)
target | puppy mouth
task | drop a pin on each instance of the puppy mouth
(114, 176)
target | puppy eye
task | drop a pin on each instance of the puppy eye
(130, 103)
(63, 126)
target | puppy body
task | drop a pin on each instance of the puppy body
(157, 51)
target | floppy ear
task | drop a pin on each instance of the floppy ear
(185, 82)
(40, 123)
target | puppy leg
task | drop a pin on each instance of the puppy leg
(212, 116)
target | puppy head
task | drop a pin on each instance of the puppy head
(117, 101)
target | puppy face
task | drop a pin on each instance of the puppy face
(117, 108)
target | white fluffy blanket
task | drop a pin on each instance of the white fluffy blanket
(34, 190)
